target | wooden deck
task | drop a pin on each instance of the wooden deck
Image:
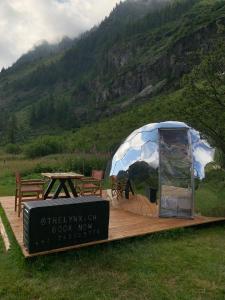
(123, 224)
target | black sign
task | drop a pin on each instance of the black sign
(59, 223)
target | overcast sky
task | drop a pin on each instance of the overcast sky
(24, 23)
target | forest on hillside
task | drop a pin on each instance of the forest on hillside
(149, 61)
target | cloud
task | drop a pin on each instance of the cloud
(24, 23)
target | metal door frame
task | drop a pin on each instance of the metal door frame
(191, 170)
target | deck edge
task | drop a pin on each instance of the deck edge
(4, 236)
(27, 255)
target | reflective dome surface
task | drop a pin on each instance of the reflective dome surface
(142, 146)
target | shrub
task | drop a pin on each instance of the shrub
(44, 146)
(220, 158)
(86, 164)
(12, 149)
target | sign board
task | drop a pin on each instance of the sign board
(52, 224)
(176, 180)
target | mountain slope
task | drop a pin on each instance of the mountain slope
(133, 55)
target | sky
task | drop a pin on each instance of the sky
(26, 23)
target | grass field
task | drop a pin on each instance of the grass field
(32, 168)
(180, 264)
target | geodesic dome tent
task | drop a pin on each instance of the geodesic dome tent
(165, 156)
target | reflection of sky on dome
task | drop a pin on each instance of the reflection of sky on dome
(150, 154)
(142, 144)
(150, 135)
(199, 169)
(172, 124)
(142, 137)
(195, 136)
(148, 127)
(135, 132)
(203, 155)
(121, 151)
(131, 157)
(136, 141)
(116, 167)
(205, 145)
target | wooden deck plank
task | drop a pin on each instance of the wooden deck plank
(123, 224)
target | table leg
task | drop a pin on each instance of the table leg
(62, 186)
(49, 188)
(72, 187)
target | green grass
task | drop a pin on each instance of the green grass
(181, 264)
(32, 168)
(210, 197)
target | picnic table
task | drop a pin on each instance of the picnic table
(65, 183)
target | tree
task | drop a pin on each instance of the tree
(12, 129)
(204, 94)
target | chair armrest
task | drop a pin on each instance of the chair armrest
(90, 179)
(32, 180)
(87, 183)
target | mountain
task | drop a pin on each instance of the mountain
(43, 51)
(140, 51)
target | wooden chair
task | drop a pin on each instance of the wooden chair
(91, 185)
(117, 187)
(27, 190)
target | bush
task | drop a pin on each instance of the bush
(44, 146)
(12, 149)
(220, 158)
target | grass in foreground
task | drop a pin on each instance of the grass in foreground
(181, 264)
